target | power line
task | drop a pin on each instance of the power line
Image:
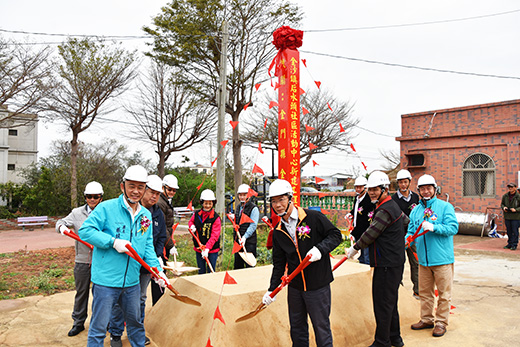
(374, 132)
(415, 24)
(118, 37)
(412, 67)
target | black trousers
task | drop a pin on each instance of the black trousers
(316, 304)
(82, 281)
(385, 290)
(239, 262)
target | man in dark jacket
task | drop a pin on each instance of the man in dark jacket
(170, 186)
(247, 229)
(361, 214)
(407, 200)
(298, 234)
(511, 206)
(385, 241)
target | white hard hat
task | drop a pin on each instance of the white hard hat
(170, 181)
(402, 174)
(243, 188)
(377, 178)
(207, 195)
(425, 180)
(154, 183)
(136, 173)
(280, 187)
(93, 188)
(360, 181)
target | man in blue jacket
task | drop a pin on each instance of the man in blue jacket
(109, 228)
(435, 252)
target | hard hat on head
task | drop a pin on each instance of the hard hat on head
(360, 181)
(280, 187)
(170, 181)
(402, 174)
(136, 173)
(377, 178)
(154, 183)
(207, 195)
(243, 188)
(93, 188)
(425, 180)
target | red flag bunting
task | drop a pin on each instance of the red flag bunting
(245, 219)
(318, 180)
(233, 124)
(250, 193)
(314, 163)
(312, 146)
(324, 212)
(452, 307)
(257, 86)
(330, 108)
(200, 186)
(236, 247)
(341, 130)
(228, 279)
(265, 123)
(257, 169)
(308, 128)
(321, 195)
(436, 292)
(304, 110)
(190, 206)
(208, 344)
(174, 227)
(213, 162)
(318, 83)
(260, 147)
(276, 85)
(224, 143)
(352, 146)
(273, 104)
(218, 315)
(364, 166)
(302, 91)
(304, 61)
(246, 106)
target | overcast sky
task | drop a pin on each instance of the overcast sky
(486, 45)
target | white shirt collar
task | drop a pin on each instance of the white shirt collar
(131, 210)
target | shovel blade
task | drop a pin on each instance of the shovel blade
(185, 299)
(249, 258)
(251, 314)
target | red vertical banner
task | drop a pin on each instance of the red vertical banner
(288, 73)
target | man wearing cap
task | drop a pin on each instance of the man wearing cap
(302, 233)
(407, 200)
(112, 226)
(385, 241)
(247, 229)
(361, 215)
(170, 186)
(511, 206)
(93, 196)
(149, 201)
(435, 251)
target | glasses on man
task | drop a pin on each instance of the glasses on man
(168, 189)
(95, 197)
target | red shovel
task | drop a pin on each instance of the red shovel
(187, 300)
(248, 257)
(75, 236)
(285, 281)
(201, 248)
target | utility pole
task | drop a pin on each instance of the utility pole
(222, 96)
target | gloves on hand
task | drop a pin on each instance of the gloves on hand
(162, 281)
(242, 241)
(348, 216)
(427, 226)
(120, 245)
(62, 229)
(174, 252)
(193, 228)
(204, 253)
(161, 261)
(315, 254)
(267, 300)
(352, 252)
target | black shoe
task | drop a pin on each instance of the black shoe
(513, 248)
(397, 342)
(146, 340)
(115, 341)
(507, 247)
(76, 330)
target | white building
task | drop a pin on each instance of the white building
(18, 144)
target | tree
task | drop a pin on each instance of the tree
(169, 115)
(25, 80)
(90, 74)
(325, 135)
(392, 159)
(185, 36)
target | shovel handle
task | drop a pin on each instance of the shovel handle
(236, 227)
(305, 262)
(75, 236)
(200, 246)
(266, 221)
(338, 264)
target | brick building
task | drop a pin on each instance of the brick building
(472, 151)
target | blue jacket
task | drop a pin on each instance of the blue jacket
(111, 220)
(435, 248)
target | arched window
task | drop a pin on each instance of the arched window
(478, 175)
